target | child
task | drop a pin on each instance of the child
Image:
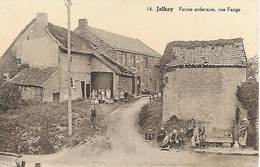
(165, 145)
(202, 136)
(182, 138)
(149, 135)
(174, 138)
(161, 135)
(191, 127)
(93, 115)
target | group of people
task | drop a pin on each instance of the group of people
(177, 139)
(101, 96)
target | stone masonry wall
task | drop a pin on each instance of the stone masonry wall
(52, 86)
(205, 94)
(81, 71)
(122, 84)
(125, 84)
(146, 74)
(36, 47)
(34, 94)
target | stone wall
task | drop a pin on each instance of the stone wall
(36, 48)
(97, 66)
(81, 71)
(34, 94)
(146, 74)
(125, 84)
(52, 86)
(205, 94)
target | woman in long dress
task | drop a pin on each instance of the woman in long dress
(243, 133)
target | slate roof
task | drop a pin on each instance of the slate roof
(78, 44)
(216, 53)
(35, 77)
(83, 46)
(123, 43)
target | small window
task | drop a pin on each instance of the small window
(125, 60)
(133, 61)
(28, 38)
(146, 62)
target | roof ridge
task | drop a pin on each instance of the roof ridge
(148, 46)
(100, 33)
(112, 33)
(214, 53)
(203, 43)
(78, 44)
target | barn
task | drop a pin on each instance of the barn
(201, 78)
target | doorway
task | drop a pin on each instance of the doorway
(138, 84)
(133, 85)
(56, 97)
(83, 89)
(88, 90)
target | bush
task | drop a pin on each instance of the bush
(10, 96)
(247, 94)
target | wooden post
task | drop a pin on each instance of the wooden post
(69, 73)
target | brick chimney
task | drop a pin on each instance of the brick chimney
(83, 23)
(42, 19)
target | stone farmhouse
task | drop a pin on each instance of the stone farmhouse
(130, 53)
(42, 48)
(201, 78)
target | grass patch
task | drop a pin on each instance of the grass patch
(42, 129)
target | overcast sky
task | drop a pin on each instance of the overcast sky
(130, 18)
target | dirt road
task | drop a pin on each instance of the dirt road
(128, 148)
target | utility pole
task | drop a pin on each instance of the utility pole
(68, 4)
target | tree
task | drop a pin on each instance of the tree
(10, 96)
(247, 94)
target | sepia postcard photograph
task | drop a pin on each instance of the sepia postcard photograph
(137, 83)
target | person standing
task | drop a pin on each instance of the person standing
(243, 133)
(93, 116)
(108, 93)
(99, 96)
(202, 136)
